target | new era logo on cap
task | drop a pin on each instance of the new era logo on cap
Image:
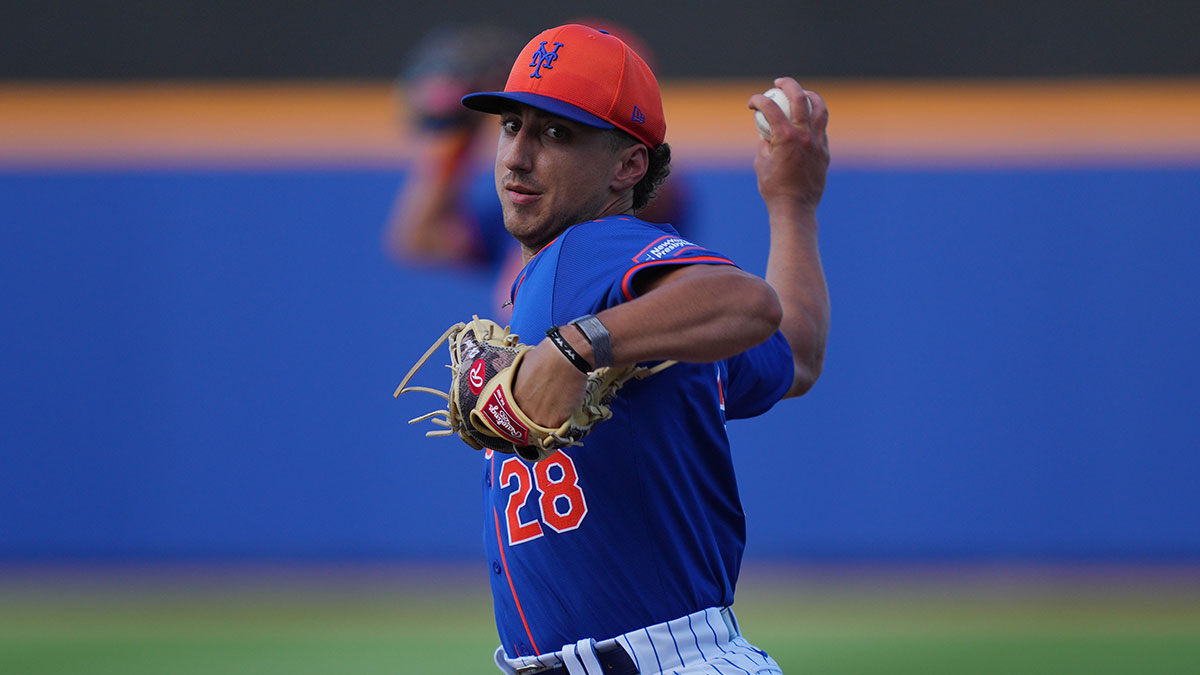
(585, 75)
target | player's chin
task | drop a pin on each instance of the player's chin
(520, 223)
(526, 210)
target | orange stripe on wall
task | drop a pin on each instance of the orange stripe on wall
(174, 123)
(973, 121)
(887, 122)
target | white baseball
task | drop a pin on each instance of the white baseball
(776, 94)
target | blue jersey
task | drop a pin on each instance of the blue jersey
(643, 523)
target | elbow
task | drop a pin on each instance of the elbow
(399, 247)
(772, 313)
(806, 330)
(807, 366)
(429, 242)
(402, 241)
(804, 378)
(747, 307)
(764, 312)
(414, 241)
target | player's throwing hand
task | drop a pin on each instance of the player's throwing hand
(792, 163)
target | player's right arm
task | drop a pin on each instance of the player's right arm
(791, 168)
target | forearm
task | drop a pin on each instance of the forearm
(794, 270)
(698, 314)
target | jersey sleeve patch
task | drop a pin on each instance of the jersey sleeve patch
(664, 248)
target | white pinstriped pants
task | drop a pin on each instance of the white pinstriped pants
(707, 642)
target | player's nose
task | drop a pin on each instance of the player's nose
(517, 152)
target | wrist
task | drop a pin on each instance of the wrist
(790, 208)
(598, 339)
(570, 348)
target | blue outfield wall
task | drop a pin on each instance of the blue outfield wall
(199, 365)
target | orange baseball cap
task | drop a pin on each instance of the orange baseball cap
(585, 75)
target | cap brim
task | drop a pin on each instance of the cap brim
(493, 102)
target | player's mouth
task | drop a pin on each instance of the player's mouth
(520, 195)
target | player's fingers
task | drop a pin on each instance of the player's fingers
(820, 111)
(797, 95)
(769, 109)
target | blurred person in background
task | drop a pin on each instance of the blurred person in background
(446, 212)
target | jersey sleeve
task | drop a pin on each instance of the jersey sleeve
(758, 378)
(600, 260)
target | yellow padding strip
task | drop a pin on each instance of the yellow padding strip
(885, 122)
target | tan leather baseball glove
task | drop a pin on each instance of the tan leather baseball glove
(481, 409)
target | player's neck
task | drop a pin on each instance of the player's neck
(619, 205)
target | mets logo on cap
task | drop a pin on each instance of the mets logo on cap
(544, 59)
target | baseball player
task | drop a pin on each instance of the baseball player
(621, 555)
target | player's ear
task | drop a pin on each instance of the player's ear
(634, 161)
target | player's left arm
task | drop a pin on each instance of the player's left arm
(695, 313)
(791, 168)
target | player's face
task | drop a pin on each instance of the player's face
(552, 173)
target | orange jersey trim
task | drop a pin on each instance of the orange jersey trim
(511, 587)
(625, 287)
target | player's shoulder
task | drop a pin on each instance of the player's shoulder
(618, 224)
(613, 234)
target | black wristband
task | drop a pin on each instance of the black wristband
(568, 351)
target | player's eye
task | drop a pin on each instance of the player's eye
(558, 133)
(510, 126)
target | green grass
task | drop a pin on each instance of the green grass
(414, 622)
(978, 627)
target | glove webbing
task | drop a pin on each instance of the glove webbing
(443, 418)
(445, 421)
